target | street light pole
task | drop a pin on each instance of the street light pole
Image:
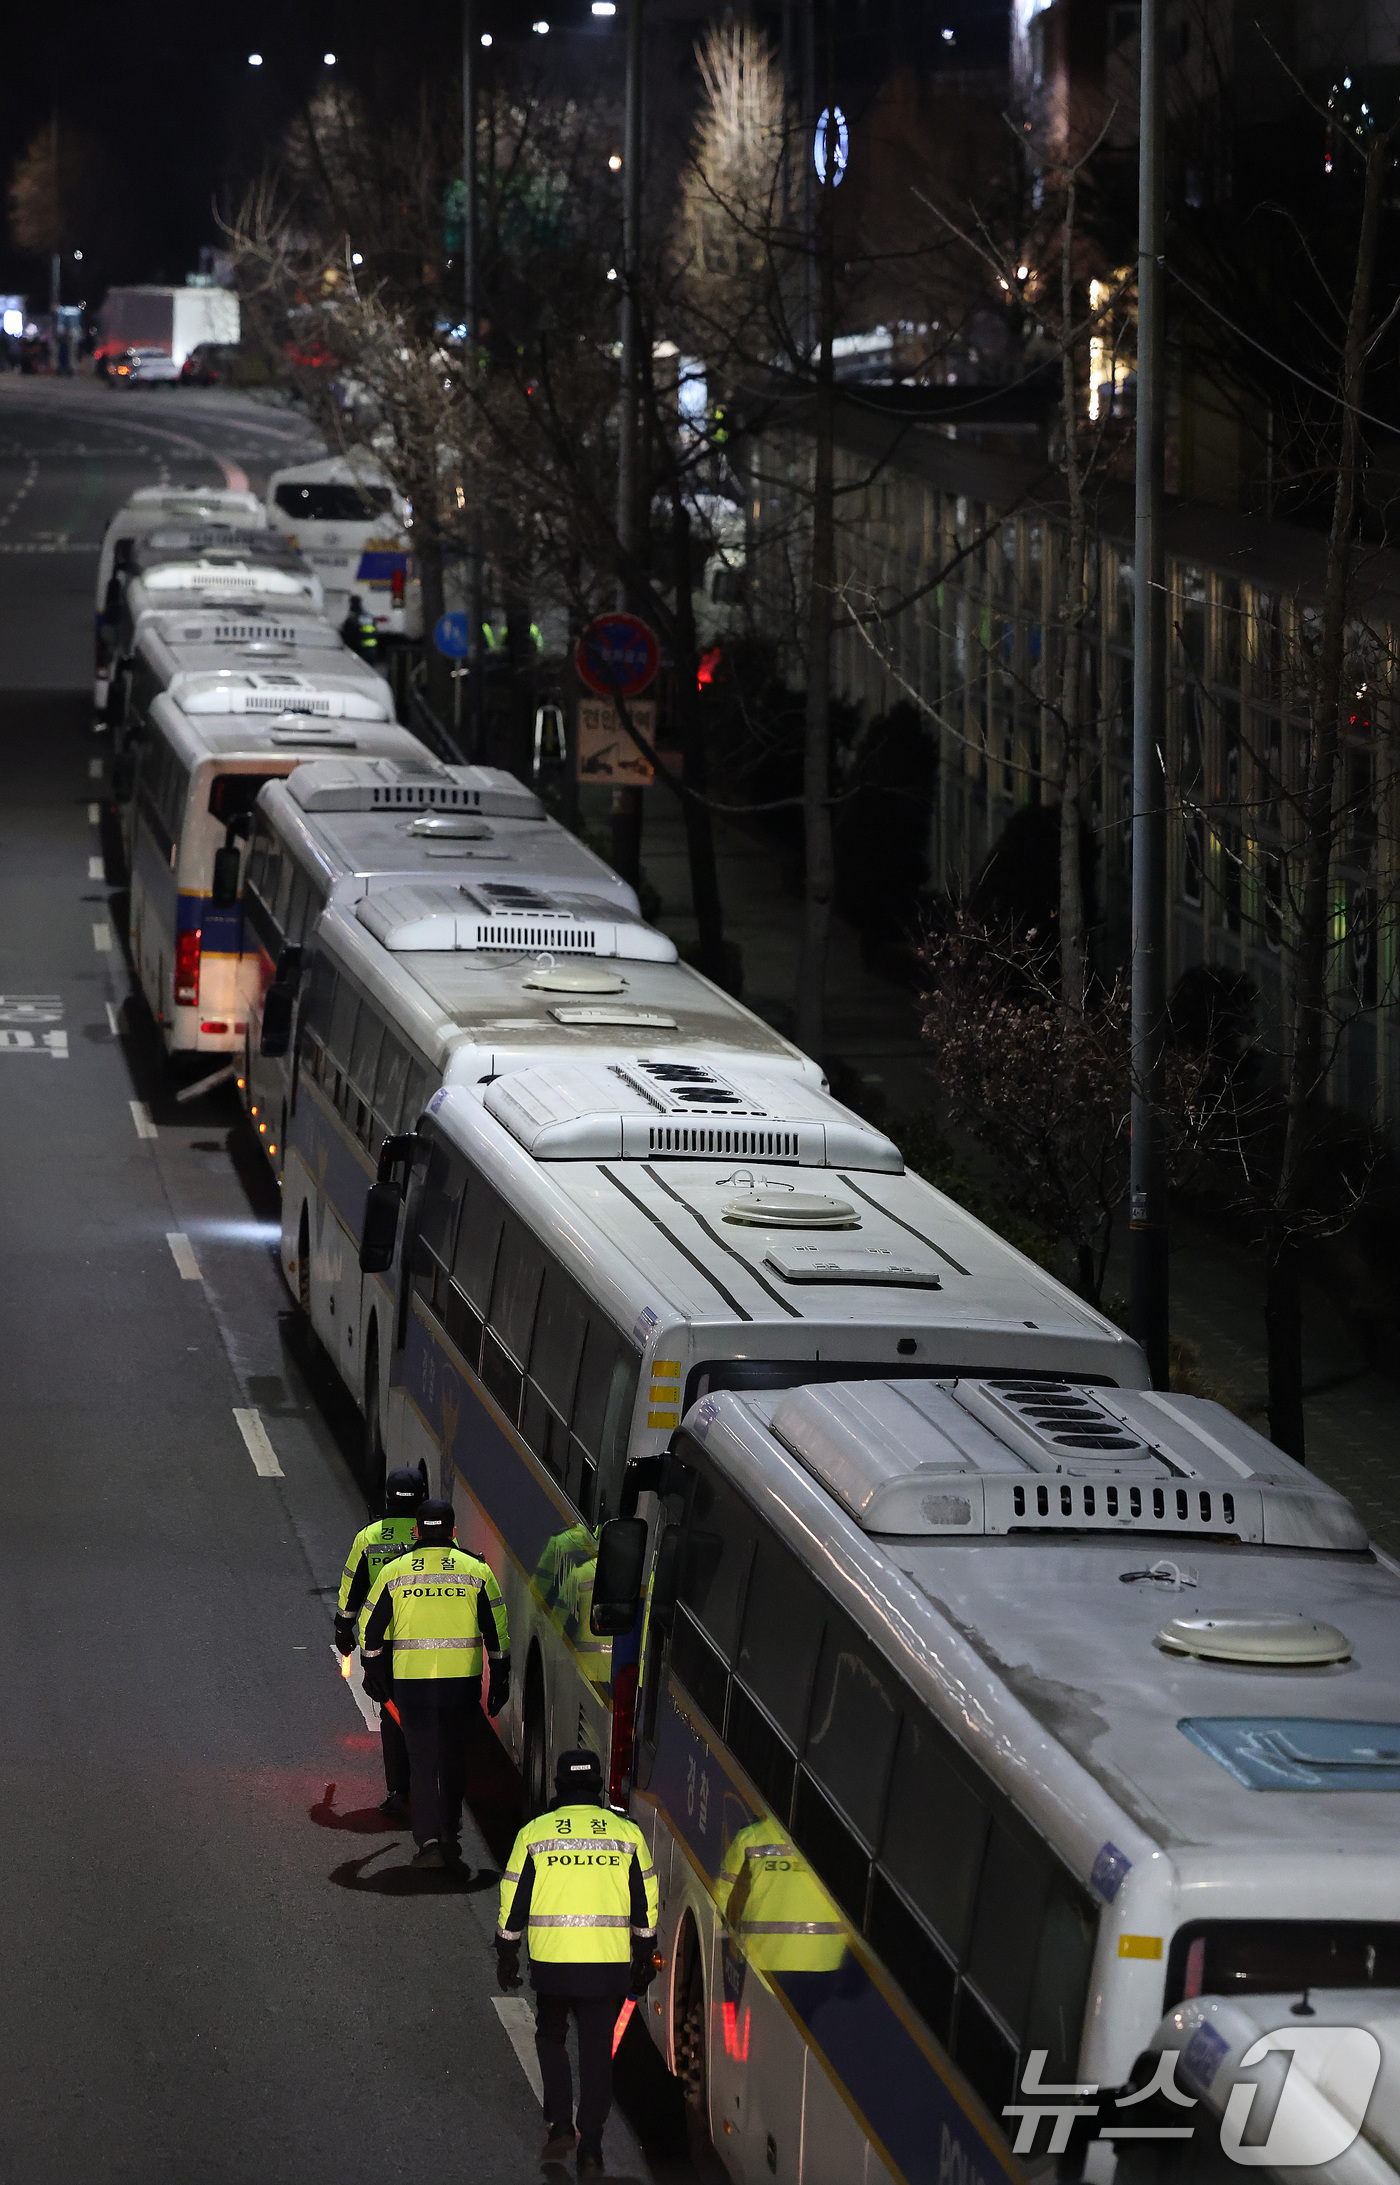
(627, 803)
(1147, 1231)
(471, 302)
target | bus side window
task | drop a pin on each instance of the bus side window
(421, 1087)
(925, 1883)
(298, 902)
(313, 1017)
(344, 1011)
(255, 865)
(280, 887)
(1061, 1983)
(364, 1067)
(603, 1406)
(514, 1296)
(714, 1574)
(555, 1350)
(1006, 1929)
(850, 1744)
(437, 1225)
(784, 1617)
(389, 1088)
(478, 1241)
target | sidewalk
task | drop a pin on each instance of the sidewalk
(1217, 1292)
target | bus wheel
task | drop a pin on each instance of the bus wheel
(534, 1754)
(374, 1439)
(304, 1263)
(692, 2068)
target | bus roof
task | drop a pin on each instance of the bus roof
(260, 737)
(1042, 1652)
(709, 1241)
(344, 690)
(428, 822)
(480, 1011)
(195, 501)
(219, 544)
(235, 625)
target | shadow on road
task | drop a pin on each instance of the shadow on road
(409, 1881)
(361, 1821)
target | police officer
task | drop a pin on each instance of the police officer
(372, 1547)
(431, 1614)
(359, 630)
(580, 1884)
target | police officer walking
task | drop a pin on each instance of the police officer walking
(374, 1546)
(359, 630)
(430, 1617)
(580, 1885)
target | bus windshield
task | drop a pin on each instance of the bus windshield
(321, 503)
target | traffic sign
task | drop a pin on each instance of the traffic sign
(618, 656)
(452, 636)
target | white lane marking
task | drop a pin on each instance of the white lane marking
(97, 869)
(94, 774)
(102, 939)
(143, 1119)
(114, 1021)
(518, 2019)
(355, 1685)
(259, 1448)
(94, 815)
(182, 1252)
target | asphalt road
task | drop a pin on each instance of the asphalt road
(217, 1963)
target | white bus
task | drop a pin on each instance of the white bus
(353, 529)
(151, 509)
(203, 567)
(202, 761)
(345, 828)
(611, 1207)
(961, 1696)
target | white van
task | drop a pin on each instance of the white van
(353, 529)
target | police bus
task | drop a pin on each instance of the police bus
(206, 748)
(233, 635)
(343, 828)
(352, 527)
(151, 509)
(960, 1695)
(615, 1201)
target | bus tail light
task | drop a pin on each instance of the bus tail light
(187, 969)
(396, 587)
(624, 1717)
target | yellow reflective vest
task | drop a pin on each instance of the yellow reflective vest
(777, 1910)
(437, 1608)
(580, 1883)
(372, 1547)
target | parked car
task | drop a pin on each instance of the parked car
(209, 364)
(148, 366)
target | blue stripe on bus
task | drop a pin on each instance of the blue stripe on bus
(380, 568)
(907, 2102)
(221, 925)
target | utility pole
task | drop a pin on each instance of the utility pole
(1147, 1231)
(631, 518)
(471, 302)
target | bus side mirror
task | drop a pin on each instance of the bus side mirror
(381, 1229)
(289, 966)
(224, 893)
(617, 1576)
(278, 1003)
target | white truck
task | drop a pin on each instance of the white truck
(172, 320)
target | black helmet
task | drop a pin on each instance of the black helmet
(404, 1490)
(578, 1777)
(436, 1523)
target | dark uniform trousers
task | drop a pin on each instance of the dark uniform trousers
(394, 1747)
(596, 2016)
(437, 1719)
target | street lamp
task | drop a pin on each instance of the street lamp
(328, 59)
(255, 60)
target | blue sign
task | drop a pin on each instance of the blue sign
(831, 117)
(452, 636)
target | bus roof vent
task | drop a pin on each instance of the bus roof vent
(230, 581)
(629, 1111)
(425, 786)
(1260, 1642)
(999, 1456)
(283, 693)
(521, 921)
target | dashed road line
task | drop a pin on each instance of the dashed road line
(114, 1020)
(102, 939)
(95, 767)
(518, 2020)
(97, 868)
(182, 1252)
(142, 1117)
(258, 1446)
(95, 812)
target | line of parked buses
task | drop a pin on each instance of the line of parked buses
(852, 1541)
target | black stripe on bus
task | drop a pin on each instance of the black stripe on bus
(913, 1232)
(793, 1311)
(657, 1223)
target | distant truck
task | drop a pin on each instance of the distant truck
(173, 320)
